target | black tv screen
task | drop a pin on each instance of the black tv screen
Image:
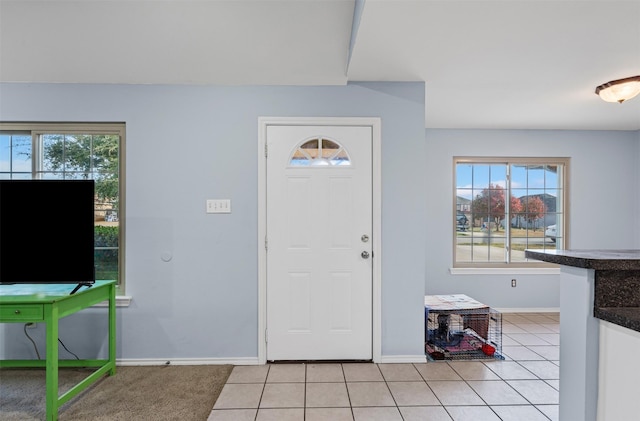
(47, 231)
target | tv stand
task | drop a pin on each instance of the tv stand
(80, 285)
(40, 303)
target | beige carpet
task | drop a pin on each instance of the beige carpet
(134, 393)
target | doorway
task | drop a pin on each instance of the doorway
(319, 239)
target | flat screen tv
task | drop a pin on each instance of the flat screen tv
(47, 232)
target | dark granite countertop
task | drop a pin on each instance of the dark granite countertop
(589, 259)
(628, 317)
(617, 280)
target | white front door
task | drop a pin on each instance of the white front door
(319, 246)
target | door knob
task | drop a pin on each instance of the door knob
(365, 254)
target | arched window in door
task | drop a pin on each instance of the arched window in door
(319, 152)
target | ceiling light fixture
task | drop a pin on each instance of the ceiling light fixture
(619, 90)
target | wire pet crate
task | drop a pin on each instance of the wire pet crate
(463, 333)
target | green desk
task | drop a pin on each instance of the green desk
(42, 303)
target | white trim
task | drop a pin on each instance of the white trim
(187, 361)
(376, 179)
(529, 310)
(402, 359)
(121, 301)
(505, 271)
(376, 129)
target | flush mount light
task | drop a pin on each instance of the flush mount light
(619, 90)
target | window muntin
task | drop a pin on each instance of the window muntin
(75, 151)
(319, 152)
(529, 193)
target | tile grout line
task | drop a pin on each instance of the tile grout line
(549, 357)
(390, 392)
(264, 385)
(536, 376)
(344, 377)
(432, 391)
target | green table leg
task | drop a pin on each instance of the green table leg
(51, 323)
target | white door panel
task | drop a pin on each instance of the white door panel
(319, 287)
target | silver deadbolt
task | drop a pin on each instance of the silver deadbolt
(364, 238)
(365, 254)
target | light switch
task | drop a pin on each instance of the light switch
(218, 205)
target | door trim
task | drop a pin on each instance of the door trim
(376, 178)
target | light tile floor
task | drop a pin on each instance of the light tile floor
(522, 387)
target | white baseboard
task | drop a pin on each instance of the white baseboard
(388, 359)
(529, 310)
(385, 359)
(188, 361)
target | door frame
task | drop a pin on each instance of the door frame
(376, 206)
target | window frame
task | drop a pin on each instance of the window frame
(38, 129)
(463, 267)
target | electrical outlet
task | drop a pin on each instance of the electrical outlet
(513, 283)
(218, 205)
(31, 325)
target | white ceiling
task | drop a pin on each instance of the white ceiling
(503, 64)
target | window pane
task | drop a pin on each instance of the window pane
(311, 148)
(464, 191)
(340, 158)
(520, 201)
(319, 153)
(536, 176)
(496, 249)
(70, 154)
(329, 144)
(15, 153)
(498, 175)
(480, 176)
(105, 164)
(299, 159)
(5, 153)
(53, 152)
(106, 262)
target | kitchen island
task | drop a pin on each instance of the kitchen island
(599, 296)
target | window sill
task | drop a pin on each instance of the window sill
(505, 271)
(121, 301)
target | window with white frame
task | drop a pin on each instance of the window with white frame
(503, 206)
(75, 151)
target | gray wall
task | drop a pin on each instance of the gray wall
(189, 143)
(604, 204)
